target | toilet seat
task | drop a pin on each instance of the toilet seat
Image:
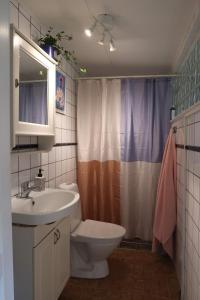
(91, 230)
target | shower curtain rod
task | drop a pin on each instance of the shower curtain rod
(131, 76)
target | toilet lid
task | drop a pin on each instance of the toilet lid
(99, 230)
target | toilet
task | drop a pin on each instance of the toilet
(91, 243)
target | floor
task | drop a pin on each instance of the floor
(134, 275)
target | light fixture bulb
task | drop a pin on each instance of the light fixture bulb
(88, 32)
(112, 46)
(101, 41)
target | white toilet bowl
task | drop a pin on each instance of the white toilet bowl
(91, 244)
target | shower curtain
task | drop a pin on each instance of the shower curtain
(144, 129)
(122, 126)
(98, 131)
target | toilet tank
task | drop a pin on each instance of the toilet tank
(76, 214)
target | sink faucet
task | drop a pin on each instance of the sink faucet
(26, 188)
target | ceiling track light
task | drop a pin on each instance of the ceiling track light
(104, 22)
(89, 31)
(102, 40)
(112, 46)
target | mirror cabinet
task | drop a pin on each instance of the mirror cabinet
(33, 91)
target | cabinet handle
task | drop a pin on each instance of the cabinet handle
(55, 237)
(58, 232)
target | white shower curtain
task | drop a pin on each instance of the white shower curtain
(138, 192)
(122, 128)
(98, 122)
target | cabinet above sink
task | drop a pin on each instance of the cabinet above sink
(33, 74)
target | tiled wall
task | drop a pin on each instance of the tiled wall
(180, 140)
(188, 189)
(186, 93)
(186, 87)
(60, 163)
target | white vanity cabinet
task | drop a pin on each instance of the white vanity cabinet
(41, 260)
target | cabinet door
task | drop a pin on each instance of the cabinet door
(62, 257)
(44, 269)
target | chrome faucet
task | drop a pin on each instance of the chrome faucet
(26, 188)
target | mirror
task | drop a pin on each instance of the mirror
(32, 90)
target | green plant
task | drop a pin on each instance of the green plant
(55, 41)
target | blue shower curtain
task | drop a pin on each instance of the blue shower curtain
(33, 102)
(145, 106)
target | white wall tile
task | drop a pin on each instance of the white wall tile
(14, 163)
(73, 137)
(64, 121)
(34, 173)
(64, 152)
(24, 140)
(197, 116)
(64, 166)
(196, 188)
(64, 136)
(35, 34)
(58, 120)
(15, 2)
(35, 159)
(197, 134)
(52, 155)
(58, 181)
(34, 140)
(68, 152)
(68, 110)
(68, 71)
(24, 176)
(191, 183)
(73, 124)
(196, 212)
(14, 15)
(24, 26)
(24, 161)
(44, 158)
(58, 153)
(35, 22)
(14, 184)
(58, 135)
(58, 169)
(52, 183)
(25, 11)
(52, 171)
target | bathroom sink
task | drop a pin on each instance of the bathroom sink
(43, 207)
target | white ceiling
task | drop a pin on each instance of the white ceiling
(148, 33)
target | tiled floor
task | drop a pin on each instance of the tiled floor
(134, 275)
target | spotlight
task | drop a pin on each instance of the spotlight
(112, 46)
(89, 31)
(101, 41)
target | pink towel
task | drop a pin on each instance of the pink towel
(165, 213)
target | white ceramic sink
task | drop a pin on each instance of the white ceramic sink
(43, 207)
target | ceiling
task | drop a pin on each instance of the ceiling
(148, 33)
